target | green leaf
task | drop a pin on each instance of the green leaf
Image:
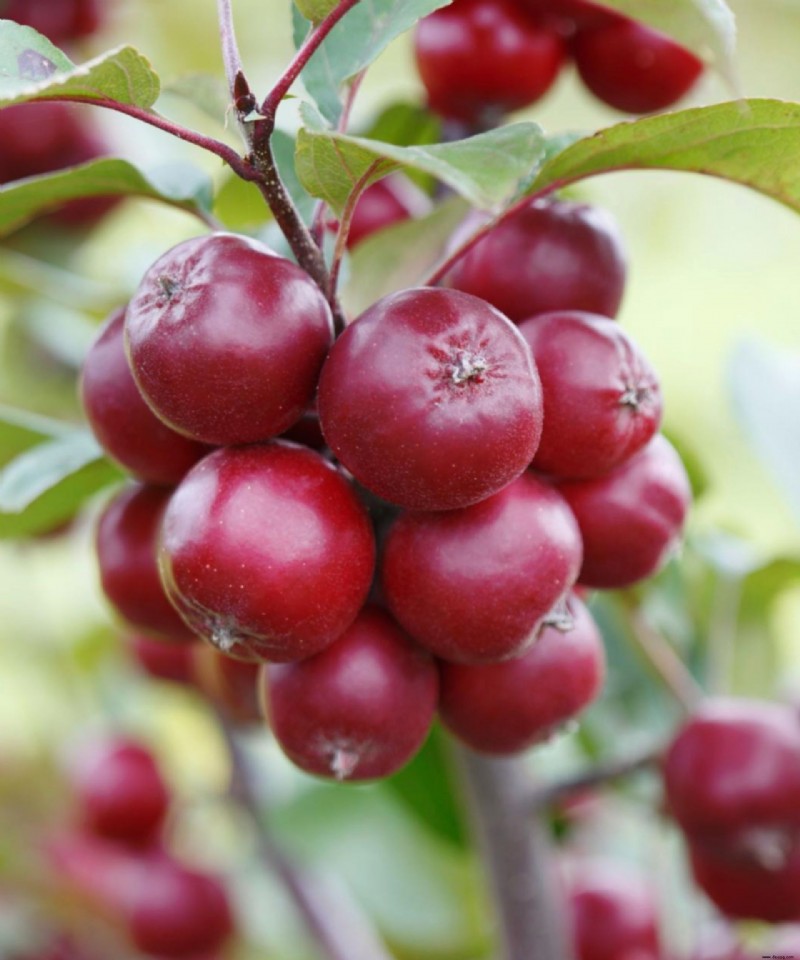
(315, 10)
(405, 124)
(488, 170)
(429, 789)
(35, 471)
(765, 384)
(706, 27)
(32, 68)
(283, 150)
(353, 44)
(400, 256)
(21, 429)
(178, 185)
(752, 142)
(61, 502)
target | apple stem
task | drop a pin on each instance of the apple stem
(339, 929)
(304, 53)
(518, 858)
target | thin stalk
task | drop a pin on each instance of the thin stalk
(306, 50)
(318, 222)
(339, 929)
(599, 775)
(518, 858)
(659, 653)
(344, 226)
(242, 99)
(240, 165)
(230, 48)
(441, 269)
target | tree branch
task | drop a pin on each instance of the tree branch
(517, 855)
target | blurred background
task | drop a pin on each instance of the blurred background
(714, 301)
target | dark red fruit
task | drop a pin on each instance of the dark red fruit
(267, 550)
(566, 16)
(744, 889)
(123, 424)
(550, 255)
(360, 709)
(59, 20)
(602, 399)
(630, 519)
(179, 912)
(226, 339)
(507, 707)
(127, 536)
(388, 201)
(166, 908)
(431, 400)
(473, 585)
(480, 59)
(633, 68)
(120, 792)
(614, 914)
(163, 661)
(733, 769)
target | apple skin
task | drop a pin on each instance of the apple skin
(480, 59)
(266, 551)
(504, 708)
(474, 585)
(743, 889)
(127, 545)
(614, 913)
(602, 399)
(431, 400)
(632, 518)
(125, 427)
(226, 339)
(548, 255)
(390, 200)
(734, 766)
(358, 710)
(633, 68)
(120, 792)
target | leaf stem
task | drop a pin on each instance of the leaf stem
(240, 165)
(549, 794)
(661, 656)
(344, 225)
(338, 927)
(454, 256)
(306, 50)
(516, 851)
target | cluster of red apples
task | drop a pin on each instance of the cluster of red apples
(114, 855)
(469, 455)
(481, 59)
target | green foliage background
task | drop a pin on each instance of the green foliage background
(713, 299)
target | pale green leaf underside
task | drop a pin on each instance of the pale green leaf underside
(752, 142)
(354, 43)
(32, 68)
(35, 471)
(488, 170)
(180, 186)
